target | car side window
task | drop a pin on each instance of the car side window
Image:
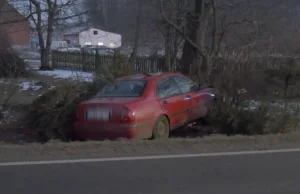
(184, 83)
(166, 87)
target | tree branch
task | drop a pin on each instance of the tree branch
(193, 44)
(214, 30)
(71, 16)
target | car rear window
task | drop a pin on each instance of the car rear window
(124, 88)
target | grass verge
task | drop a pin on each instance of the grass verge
(90, 149)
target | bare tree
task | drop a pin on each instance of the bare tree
(172, 39)
(209, 27)
(45, 15)
(195, 35)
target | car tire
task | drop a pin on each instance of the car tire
(161, 128)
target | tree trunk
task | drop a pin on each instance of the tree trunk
(167, 63)
(45, 65)
(45, 52)
(176, 42)
(189, 53)
(137, 37)
(45, 58)
(197, 60)
(203, 67)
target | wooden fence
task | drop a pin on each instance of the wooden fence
(89, 62)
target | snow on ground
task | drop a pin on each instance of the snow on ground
(30, 85)
(4, 82)
(64, 74)
(23, 85)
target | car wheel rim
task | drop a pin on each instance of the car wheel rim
(161, 128)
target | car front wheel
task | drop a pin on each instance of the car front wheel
(161, 128)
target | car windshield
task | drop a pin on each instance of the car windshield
(124, 88)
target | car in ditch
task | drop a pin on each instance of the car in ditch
(143, 106)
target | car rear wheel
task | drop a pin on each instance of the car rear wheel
(161, 128)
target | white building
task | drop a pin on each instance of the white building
(92, 36)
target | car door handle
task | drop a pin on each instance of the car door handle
(188, 97)
(165, 102)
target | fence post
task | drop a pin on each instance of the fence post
(96, 65)
(53, 59)
(83, 61)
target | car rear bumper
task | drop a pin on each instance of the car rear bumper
(86, 132)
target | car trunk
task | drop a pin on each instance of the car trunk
(104, 110)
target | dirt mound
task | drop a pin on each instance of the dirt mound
(53, 114)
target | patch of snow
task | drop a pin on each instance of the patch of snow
(5, 82)
(51, 87)
(64, 74)
(29, 85)
(242, 91)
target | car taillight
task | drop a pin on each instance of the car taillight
(127, 115)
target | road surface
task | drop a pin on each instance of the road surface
(276, 173)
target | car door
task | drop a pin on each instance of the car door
(196, 104)
(172, 102)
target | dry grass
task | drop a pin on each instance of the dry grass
(218, 143)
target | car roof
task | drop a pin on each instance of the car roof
(147, 76)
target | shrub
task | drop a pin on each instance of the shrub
(250, 119)
(112, 69)
(53, 114)
(11, 65)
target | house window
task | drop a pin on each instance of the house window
(95, 32)
(100, 43)
(88, 43)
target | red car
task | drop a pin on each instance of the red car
(142, 106)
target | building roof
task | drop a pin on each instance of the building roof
(9, 14)
(19, 6)
(76, 30)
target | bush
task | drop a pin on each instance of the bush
(112, 69)
(238, 120)
(11, 65)
(251, 119)
(53, 114)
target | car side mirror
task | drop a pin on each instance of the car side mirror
(199, 86)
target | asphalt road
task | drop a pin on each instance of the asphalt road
(247, 174)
